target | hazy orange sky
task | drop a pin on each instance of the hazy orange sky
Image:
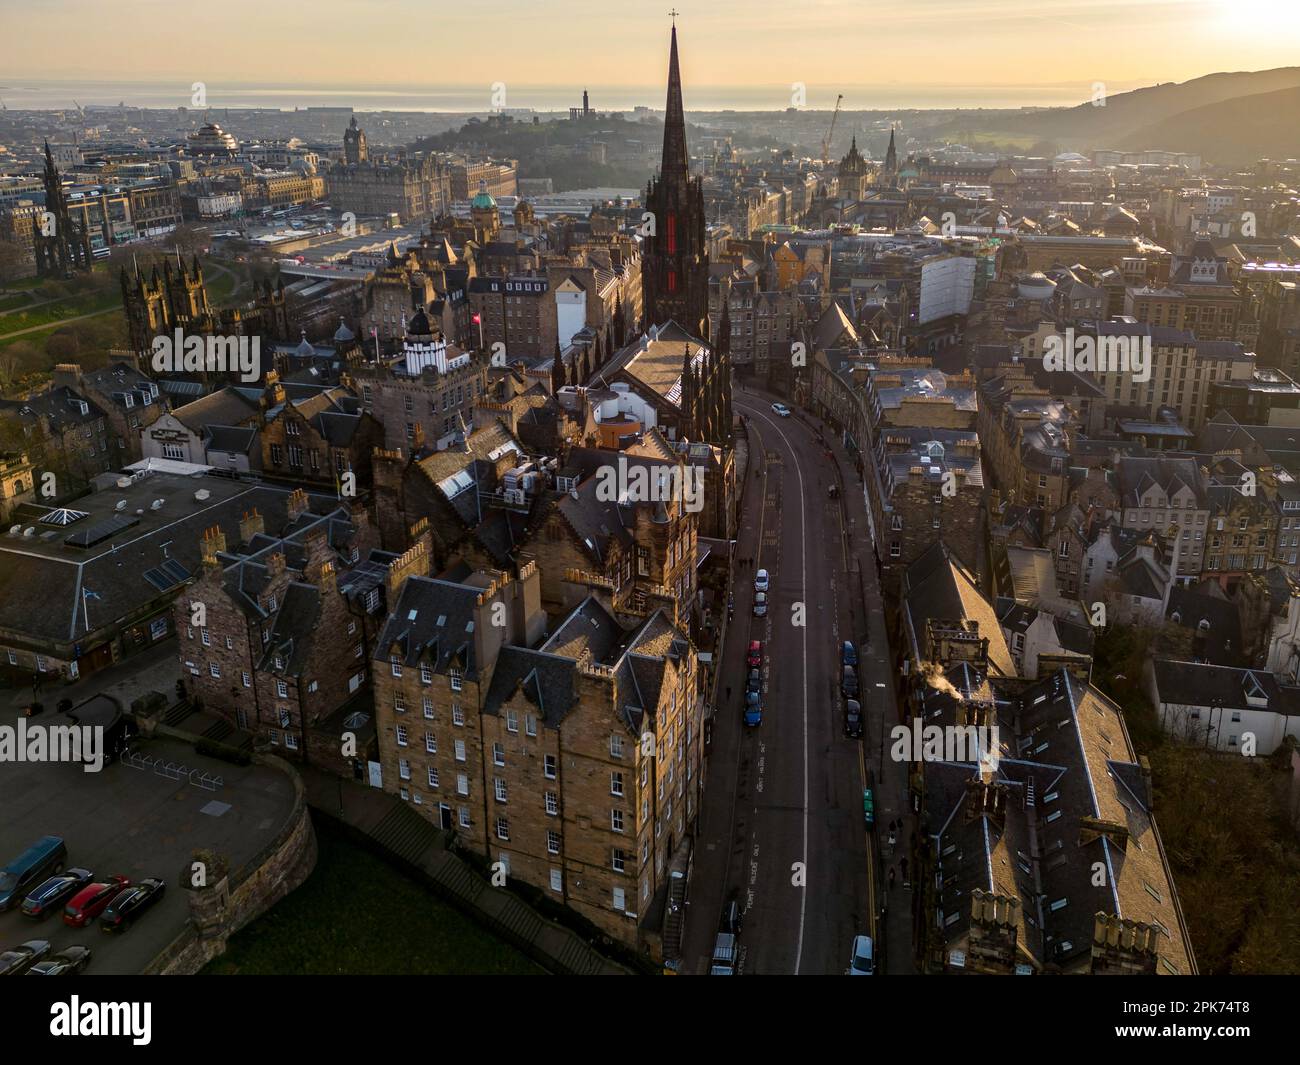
(828, 44)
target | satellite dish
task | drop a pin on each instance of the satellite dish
(121, 505)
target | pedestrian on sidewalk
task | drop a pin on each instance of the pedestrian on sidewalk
(891, 841)
(891, 878)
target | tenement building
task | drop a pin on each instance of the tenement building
(573, 762)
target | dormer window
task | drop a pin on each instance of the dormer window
(396, 664)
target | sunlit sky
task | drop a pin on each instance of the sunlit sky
(1020, 47)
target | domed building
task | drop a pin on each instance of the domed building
(485, 215)
(211, 139)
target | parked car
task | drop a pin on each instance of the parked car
(91, 900)
(852, 719)
(781, 409)
(849, 683)
(760, 604)
(849, 654)
(868, 802)
(731, 918)
(67, 962)
(755, 657)
(753, 708)
(49, 896)
(724, 955)
(760, 581)
(128, 905)
(754, 683)
(17, 961)
(42, 859)
(863, 961)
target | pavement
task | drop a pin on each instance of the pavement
(157, 668)
(781, 828)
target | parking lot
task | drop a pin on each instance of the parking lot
(136, 823)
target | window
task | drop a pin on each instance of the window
(404, 769)
(620, 861)
(457, 714)
(282, 689)
(503, 829)
(399, 702)
(552, 804)
(616, 746)
(455, 675)
(428, 708)
(512, 721)
(426, 674)
(460, 750)
(401, 735)
(557, 878)
(498, 754)
(215, 670)
(499, 789)
(616, 820)
(620, 899)
(203, 636)
(248, 681)
(530, 725)
(552, 842)
(462, 784)
(284, 717)
(548, 766)
(464, 815)
(396, 663)
(291, 741)
(616, 783)
(430, 743)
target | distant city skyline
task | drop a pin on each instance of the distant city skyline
(933, 53)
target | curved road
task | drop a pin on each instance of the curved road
(782, 828)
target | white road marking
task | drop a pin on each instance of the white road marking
(803, 591)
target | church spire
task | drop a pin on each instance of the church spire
(674, 157)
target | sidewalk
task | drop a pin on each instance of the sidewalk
(156, 668)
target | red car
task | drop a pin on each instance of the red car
(755, 658)
(90, 901)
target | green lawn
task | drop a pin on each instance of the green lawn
(356, 915)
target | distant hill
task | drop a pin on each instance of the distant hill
(1240, 130)
(1135, 119)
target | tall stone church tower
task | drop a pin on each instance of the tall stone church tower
(354, 144)
(62, 246)
(675, 260)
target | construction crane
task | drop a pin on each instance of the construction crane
(826, 142)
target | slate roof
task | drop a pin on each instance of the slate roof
(1066, 745)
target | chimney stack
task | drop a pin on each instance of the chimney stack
(251, 524)
(297, 504)
(212, 543)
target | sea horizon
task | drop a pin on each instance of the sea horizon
(59, 94)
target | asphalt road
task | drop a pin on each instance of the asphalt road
(782, 826)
